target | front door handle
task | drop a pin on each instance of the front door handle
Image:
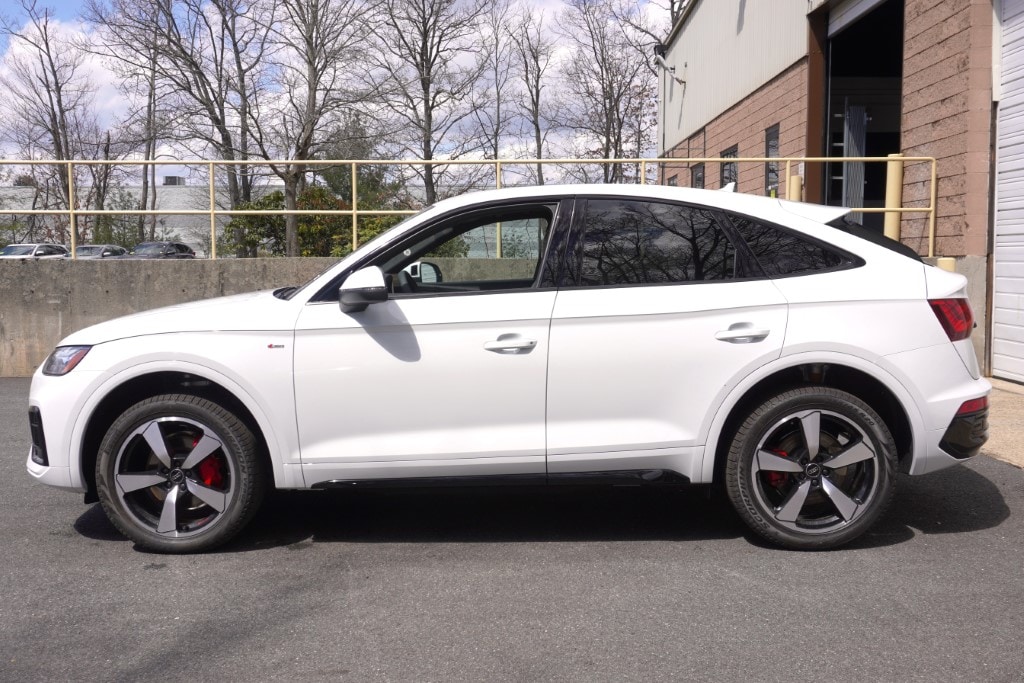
(742, 333)
(510, 343)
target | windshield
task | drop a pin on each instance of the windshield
(149, 249)
(17, 250)
(88, 251)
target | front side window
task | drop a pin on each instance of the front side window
(487, 250)
(631, 242)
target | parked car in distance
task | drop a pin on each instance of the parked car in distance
(97, 251)
(631, 335)
(33, 251)
(161, 250)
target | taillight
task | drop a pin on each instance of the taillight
(955, 316)
(975, 405)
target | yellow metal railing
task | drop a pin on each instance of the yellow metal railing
(893, 208)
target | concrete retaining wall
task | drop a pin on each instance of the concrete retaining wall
(43, 301)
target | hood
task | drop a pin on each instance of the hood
(240, 312)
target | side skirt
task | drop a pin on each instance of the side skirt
(616, 478)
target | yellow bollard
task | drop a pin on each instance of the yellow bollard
(794, 188)
(946, 263)
(893, 195)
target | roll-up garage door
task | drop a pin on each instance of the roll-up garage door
(1008, 304)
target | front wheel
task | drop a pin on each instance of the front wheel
(811, 468)
(179, 473)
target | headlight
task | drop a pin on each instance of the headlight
(64, 359)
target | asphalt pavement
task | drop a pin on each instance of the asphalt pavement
(1006, 422)
(519, 584)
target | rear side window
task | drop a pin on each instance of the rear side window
(628, 242)
(782, 253)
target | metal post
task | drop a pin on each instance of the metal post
(213, 212)
(893, 195)
(355, 200)
(934, 208)
(643, 171)
(794, 188)
(497, 226)
(72, 221)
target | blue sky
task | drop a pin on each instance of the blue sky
(64, 10)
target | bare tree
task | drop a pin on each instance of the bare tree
(317, 44)
(498, 70)
(609, 80)
(427, 74)
(534, 47)
(48, 100)
(204, 57)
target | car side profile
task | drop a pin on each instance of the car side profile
(33, 251)
(605, 334)
(161, 250)
(98, 251)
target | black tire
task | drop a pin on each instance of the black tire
(179, 474)
(807, 496)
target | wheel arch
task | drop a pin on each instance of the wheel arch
(154, 383)
(883, 393)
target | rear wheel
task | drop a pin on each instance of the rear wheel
(811, 468)
(179, 473)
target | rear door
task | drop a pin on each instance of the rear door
(658, 316)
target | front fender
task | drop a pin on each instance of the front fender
(271, 406)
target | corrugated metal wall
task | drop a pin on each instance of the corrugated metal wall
(1008, 307)
(726, 50)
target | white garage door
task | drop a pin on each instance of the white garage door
(1008, 305)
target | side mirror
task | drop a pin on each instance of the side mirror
(423, 272)
(429, 272)
(362, 288)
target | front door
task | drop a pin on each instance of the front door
(445, 378)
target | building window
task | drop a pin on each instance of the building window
(729, 169)
(697, 176)
(672, 181)
(771, 168)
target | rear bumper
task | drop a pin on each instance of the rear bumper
(966, 435)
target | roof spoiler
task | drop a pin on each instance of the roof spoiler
(815, 212)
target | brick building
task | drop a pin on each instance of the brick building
(831, 78)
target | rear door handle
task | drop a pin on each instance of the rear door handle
(742, 333)
(510, 343)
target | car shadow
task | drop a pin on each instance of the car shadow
(489, 515)
(957, 500)
(952, 501)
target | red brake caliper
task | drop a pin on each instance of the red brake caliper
(777, 479)
(210, 470)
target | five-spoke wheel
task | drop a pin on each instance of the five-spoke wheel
(179, 474)
(811, 468)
